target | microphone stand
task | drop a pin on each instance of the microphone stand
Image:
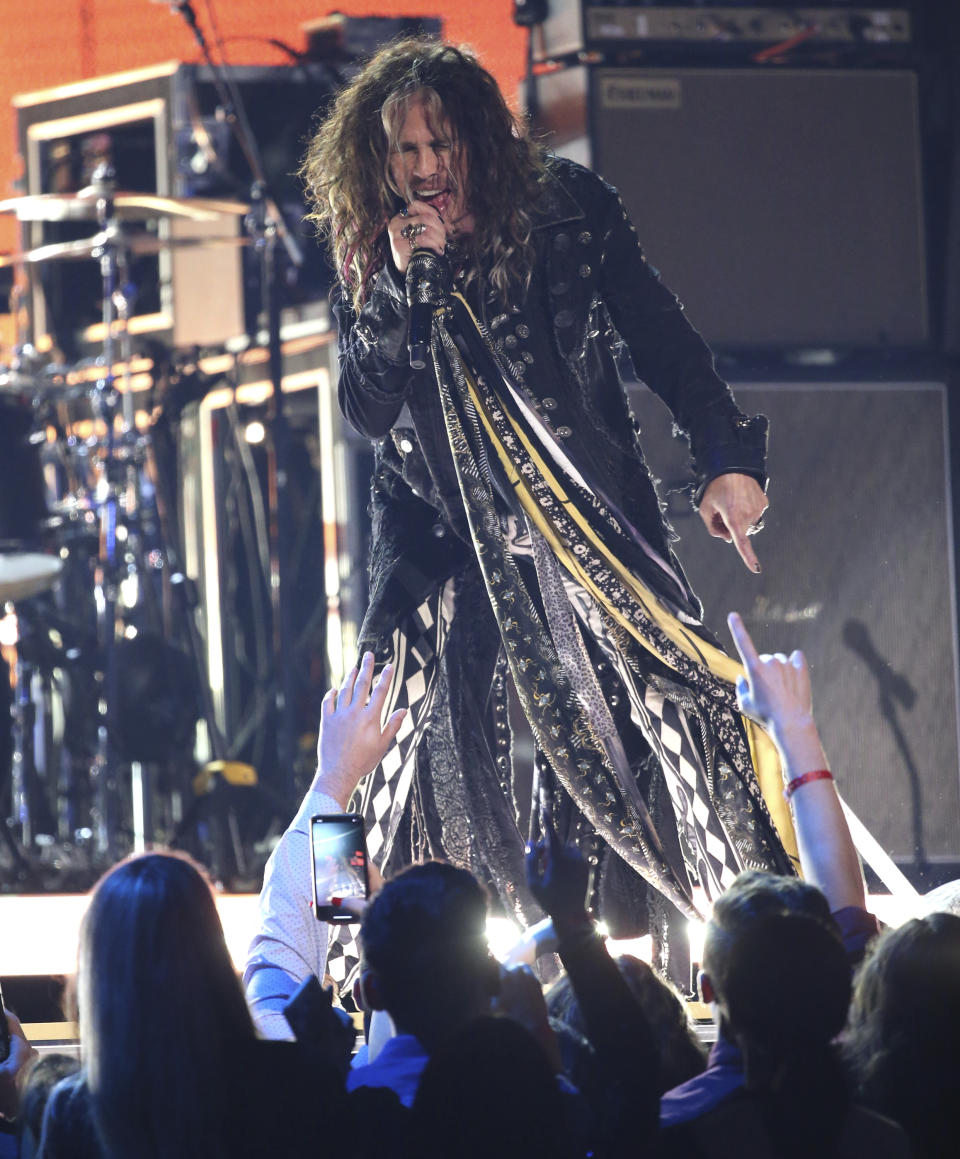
(266, 225)
(893, 688)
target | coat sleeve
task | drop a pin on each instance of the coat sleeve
(375, 376)
(672, 359)
(289, 944)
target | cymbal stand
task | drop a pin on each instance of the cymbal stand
(267, 227)
(103, 771)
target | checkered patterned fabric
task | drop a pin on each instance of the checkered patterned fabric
(674, 734)
(669, 731)
(417, 646)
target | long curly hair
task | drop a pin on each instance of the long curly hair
(346, 171)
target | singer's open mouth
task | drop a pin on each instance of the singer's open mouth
(438, 198)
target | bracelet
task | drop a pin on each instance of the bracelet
(816, 775)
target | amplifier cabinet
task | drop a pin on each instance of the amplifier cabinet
(858, 572)
(784, 208)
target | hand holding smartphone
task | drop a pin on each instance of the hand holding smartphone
(338, 858)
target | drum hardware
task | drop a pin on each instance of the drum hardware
(103, 521)
(275, 243)
(86, 206)
(99, 523)
(136, 244)
(25, 567)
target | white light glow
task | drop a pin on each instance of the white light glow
(695, 933)
(641, 948)
(502, 934)
(8, 631)
(895, 909)
(255, 432)
(41, 934)
(129, 591)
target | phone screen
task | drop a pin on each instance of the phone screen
(338, 854)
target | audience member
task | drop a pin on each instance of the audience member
(290, 944)
(489, 1090)
(904, 1031)
(782, 984)
(171, 1063)
(14, 1071)
(776, 691)
(681, 1055)
(427, 963)
(623, 1103)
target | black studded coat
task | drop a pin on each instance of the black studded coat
(593, 307)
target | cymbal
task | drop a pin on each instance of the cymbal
(82, 206)
(26, 574)
(49, 384)
(138, 243)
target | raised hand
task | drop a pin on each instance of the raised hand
(353, 740)
(776, 689)
(558, 878)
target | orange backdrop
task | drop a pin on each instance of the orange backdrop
(51, 42)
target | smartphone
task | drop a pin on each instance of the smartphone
(338, 858)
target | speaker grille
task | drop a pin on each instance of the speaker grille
(783, 208)
(857, 560)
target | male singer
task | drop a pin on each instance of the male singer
(518, 540)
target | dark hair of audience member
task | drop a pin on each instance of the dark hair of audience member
(753, 895)
(681, 1055)
(424, 936)
(489, 1090)
(783, 985)
(904, 1029)
(160, 1009)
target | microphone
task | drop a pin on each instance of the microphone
(428, 276)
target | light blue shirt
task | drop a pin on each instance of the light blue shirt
(398, 1066)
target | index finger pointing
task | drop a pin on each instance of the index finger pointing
(744, 548)
(741, 638)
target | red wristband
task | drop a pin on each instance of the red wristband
(816, 775)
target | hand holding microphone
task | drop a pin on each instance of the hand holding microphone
(418, 238)
(427, 283)
(418, 225)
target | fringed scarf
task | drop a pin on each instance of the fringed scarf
(482, 416)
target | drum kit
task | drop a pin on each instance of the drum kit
(97, 693)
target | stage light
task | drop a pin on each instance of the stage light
(41, 934)
(8, 631)
(641, 948)
(695, 934)
(502, 935)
